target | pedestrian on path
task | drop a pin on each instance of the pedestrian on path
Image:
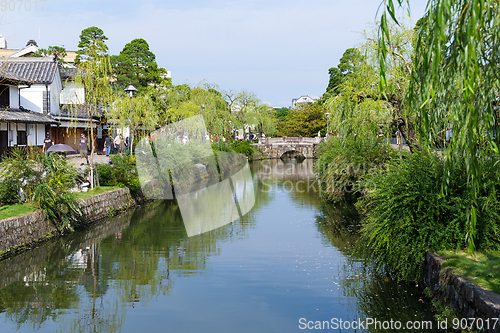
(84, 146)
(47, 143)
(117, 142)
(108, 142)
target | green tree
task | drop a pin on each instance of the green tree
(347, 65)
(58, 52)
(282, 113)
(134, 112)
(359, 107)
(455, 86)
(136, 65)
(93, 75)
(306, 120)
(92, 43)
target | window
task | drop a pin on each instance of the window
(4, 96)
(22, 139)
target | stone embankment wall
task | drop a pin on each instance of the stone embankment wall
(457, 293)
(22, 231)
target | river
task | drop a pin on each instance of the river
(286, 266)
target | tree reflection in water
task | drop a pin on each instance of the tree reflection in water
(87, 280)
(377, 294)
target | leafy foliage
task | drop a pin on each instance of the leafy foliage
(92, 44)
(45, 182)
(406, 213)
(305, 120)
(124, 171)
(58, 52)
(243, 147)
(455, 85)
(347, 65)
(105, 172)
(9, 192)
(344, 165)
(136, 65)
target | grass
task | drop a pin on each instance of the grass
(15, 210)
(96, 190)
(483, 268)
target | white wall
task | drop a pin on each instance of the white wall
(32, 98)
(14, 97)
(40, 132)
(55, 94)
(31, 134)
(72, 94)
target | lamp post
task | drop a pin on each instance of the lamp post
(327, 124)
(130, 90)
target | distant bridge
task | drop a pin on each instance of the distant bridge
(292, 146)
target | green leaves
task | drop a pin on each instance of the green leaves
(455, 85)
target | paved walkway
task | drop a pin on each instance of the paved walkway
(76, 160)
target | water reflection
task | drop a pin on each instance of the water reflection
(377, 294)
(288, 257)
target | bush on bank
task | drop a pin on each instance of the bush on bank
(43, 181)
(344, 164)
(407, 214)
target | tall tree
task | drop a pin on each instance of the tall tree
(92, 43)
(93, 77)
(136, 65)
(346, 66)
(359, 108)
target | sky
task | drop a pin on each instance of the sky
(276, 49)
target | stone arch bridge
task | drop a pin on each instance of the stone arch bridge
(277, 147)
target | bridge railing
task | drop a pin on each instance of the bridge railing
(292, 140)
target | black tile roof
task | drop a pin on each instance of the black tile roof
(24, 116)
(28, 70)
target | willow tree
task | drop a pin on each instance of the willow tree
(136, 113)
(93, 76)
(454, 86)
(359, 108)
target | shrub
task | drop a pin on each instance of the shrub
(105, 174)
(407, 214)
(125, 172)
(243, 147)
(344, 164)
(9, 192)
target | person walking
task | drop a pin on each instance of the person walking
(117, 142)
(108, 143)
(84, 146)
(47, 143)
(123, 145)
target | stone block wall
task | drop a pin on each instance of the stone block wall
(101, 205)
(456, 292)
(23, 231)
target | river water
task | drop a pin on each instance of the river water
(286, 266)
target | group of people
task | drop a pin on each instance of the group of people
(118, 144)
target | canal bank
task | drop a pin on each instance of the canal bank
(20, 233)
(471, 302)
